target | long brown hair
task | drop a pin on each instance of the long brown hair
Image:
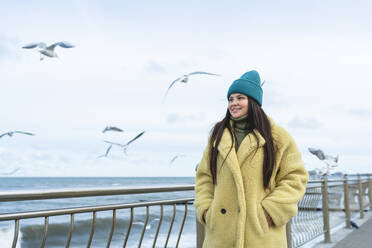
(258, 120)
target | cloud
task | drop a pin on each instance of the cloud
(8, 47)
(361, 112)
(306, 123)
(154, 67)
(174, 117)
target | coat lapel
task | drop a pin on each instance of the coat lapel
(249, 145)
(233, 163)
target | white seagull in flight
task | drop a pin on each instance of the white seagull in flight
(185, 79)
(10, 134)
(125, 146)
(48, 50)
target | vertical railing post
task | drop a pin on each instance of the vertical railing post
(347, 202)
(289, 234)
(360, 197)
(199, 234)
(326, 227)
(370, 191)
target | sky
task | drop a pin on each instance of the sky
(315, 57)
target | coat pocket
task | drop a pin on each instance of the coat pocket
(262, 219)
(208, 217)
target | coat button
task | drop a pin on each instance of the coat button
(223, 211)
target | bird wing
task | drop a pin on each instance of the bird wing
(175, 81)
(11, 172)
(170, 86)
(113, 143)
(35, 44)
(63, 44)
(174, 158)
(114, 129)
(312, 150)
(139, 135)
(27, 133)
(2, 135)
(335, 159)
(317, 152)
(202, 72)
(108, 150)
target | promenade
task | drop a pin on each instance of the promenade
(349, 238)
(361, 238)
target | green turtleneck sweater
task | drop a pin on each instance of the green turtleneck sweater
(241, 129)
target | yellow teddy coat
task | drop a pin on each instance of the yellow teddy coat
(235, 217)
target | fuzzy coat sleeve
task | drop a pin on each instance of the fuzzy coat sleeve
(204, 188)
(290, 182)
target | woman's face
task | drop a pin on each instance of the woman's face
(238, 105)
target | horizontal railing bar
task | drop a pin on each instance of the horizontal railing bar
(335, 185)
(329, 209)
(54, 194)
(314, 187)
(91, 192)
(54, 212)
(338, 180)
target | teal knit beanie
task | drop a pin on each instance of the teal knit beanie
(249, 84)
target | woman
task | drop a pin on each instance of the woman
(251, 176)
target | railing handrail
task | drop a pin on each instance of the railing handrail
(64, 211)
(15, 195)
(338, 180)
(71, 193)
(23, 195)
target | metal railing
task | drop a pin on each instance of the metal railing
(326, 204)
(72, 212)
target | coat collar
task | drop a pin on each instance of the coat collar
(248, 145)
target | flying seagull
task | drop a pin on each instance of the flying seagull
(109, 128)
(125, 146)
(10, 134)
(107, 152)
(175, 157)
(185, 79)
(10, 172)
(48, 50)
(321, 155)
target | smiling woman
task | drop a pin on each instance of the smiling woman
(251, 176)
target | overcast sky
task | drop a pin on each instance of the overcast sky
(314, 55)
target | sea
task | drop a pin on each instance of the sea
(31, 230)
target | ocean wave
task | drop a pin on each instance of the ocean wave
(6, 237)
(58, 232)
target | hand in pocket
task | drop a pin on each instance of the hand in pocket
(205, 215)
(268, 218)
